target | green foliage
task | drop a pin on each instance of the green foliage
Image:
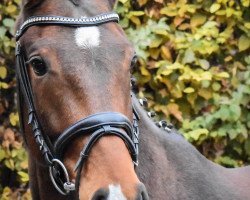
(194, 67)
(13, 157)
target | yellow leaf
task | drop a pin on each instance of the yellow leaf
(245, 3)
(154, 53)
(3, 72)
(196, 134)
(4, 85)
(204, 64)
(135, 20)
(14, 119)
(244, 43)
(215, 7)
(205, 93)
(142, 2)
(247, 25)
(197, 20)
(206, 76)
(184, 26)
(178, 20)
(11, 8)
(169, 12)
(144, 71)
(161, 32)
(221, 75)
(189, 90)
(123, 1)
(173, 109)
(10, 164)
(228, 58)
(156, 42)
(159, 1)
(166, 53)
(24, 176)
(135, 13)
(191, 99)
(221, 12)
(229, 12)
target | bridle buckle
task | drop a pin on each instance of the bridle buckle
(69, 186)
(57, 170)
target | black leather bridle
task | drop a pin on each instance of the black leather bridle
(100, 124)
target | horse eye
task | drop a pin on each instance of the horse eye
(133, 61)
(38, 65)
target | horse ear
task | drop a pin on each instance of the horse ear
(30, 3)
(112, 3)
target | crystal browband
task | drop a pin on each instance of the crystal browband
(67, 21)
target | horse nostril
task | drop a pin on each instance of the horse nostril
(100, 194)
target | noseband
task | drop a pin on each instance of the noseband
(98, 125)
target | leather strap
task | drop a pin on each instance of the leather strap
(67, 21)
(103, 131)
(90, 124)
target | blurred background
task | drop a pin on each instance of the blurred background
(193, 66)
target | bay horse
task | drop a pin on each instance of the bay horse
(82, 136)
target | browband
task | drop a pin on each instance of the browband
(67, 21)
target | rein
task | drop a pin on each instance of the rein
(99, 124)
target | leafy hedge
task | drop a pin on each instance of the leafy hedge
(194, 67)
(13, 158)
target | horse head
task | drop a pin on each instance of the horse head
(73, 70)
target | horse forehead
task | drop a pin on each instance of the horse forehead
(87, 37)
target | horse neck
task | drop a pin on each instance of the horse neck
(168, 158)
(171, 167)
(155, 139)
